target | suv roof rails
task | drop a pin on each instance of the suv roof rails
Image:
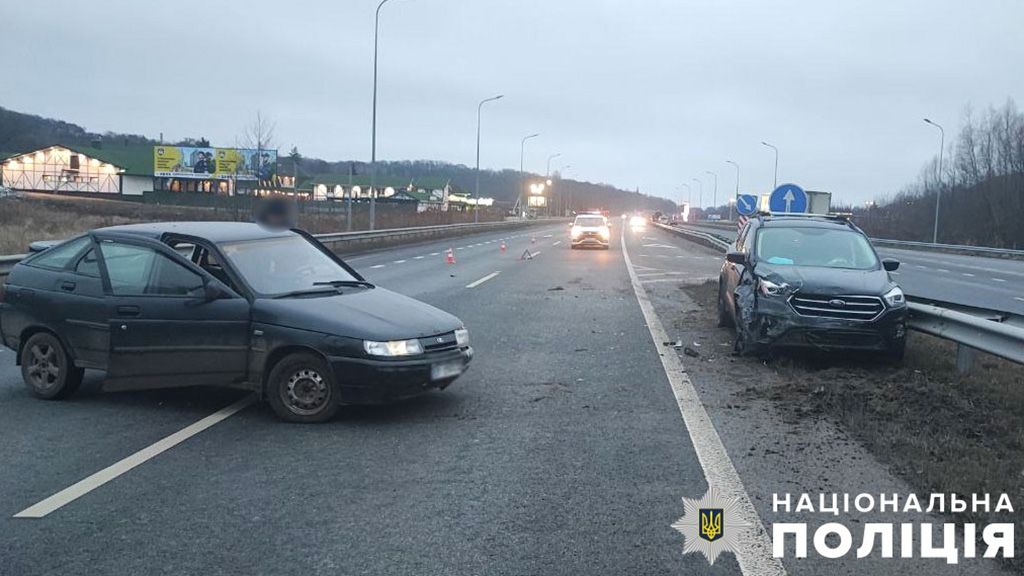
(840, 216)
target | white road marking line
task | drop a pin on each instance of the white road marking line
(968, 274)
(648, 281)
(548, 235)
(943, 270)
(460, 248)
(537, 253)
(418, 257)
(646, 274)
(999, 280)
(379, 266)
(556, 242)
(398, 261)
(1018, 298)
(434, 253)
(111, 472)
(754, 551)
(921, 267)
(482, 280)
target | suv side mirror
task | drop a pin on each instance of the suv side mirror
(735, 257)
(889, 264)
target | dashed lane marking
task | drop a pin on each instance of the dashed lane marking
(999, 280)
(754, 550)
(109, 473)
(378, 266)
(398, 261)
(556, 242)
(418, 257)
(482, 280)
(435, 253)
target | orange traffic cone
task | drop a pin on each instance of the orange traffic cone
(449, 256)
(503, 247)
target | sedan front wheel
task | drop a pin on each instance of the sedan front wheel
(301, 388)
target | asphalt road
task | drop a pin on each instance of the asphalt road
(562, 450)
(992, 283)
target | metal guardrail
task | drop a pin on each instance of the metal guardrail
(962, 248)
(8, 262)
(983, 330)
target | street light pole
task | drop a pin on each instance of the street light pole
(522, 176)
(547, 171)
(700, 193)
(714, 201)
(737, 166)
(476, 192)
(373, 122)
(567, 198)
(938, 193)
(776, 182)
(689, 193)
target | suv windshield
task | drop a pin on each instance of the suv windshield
(822, 247)
(590, 221)
(281, 265)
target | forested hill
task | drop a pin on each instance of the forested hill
(20, 132)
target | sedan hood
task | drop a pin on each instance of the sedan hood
(367, 314)
(827, 281)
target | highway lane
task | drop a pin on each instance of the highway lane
(560, 451)
(992, 283)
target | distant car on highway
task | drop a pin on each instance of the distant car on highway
(638, 222)
(223, 303)
(811, 282)
(589, 230)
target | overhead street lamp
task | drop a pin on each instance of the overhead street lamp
(737, 166)
(373, 122)
(700, 193)
(522, 158)
(689, 193)
(547, 171)
(938, 192)
(714, 202)
(776, 182)
(476, 193)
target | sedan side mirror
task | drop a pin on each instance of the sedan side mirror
(734, 257)
(212, 291)
(889, 264)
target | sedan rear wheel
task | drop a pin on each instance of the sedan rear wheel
(47, 369)
(301, 388)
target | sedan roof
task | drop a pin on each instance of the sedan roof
(216, 232)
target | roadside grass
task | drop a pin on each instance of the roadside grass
(49, 217)
(938, 430)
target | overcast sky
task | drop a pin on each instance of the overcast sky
(640, 93)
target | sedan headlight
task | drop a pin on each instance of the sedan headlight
(895, 298)
(393, 347)
(462, 337)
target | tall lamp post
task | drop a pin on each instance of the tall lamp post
(522, 159)
(700, 193)
(476, 193)
(776, 181)
(547, 178)
(938, 193)
(373, 122)
(689, 193)
(714, 202)
(567, 199)
(547, 171)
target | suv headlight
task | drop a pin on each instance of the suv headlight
(895, 298)
(393, 347)
(576, 231)
(462, 337)
(603, 232)
(769, 288)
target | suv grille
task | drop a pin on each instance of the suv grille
(842, 307)
(440, 342)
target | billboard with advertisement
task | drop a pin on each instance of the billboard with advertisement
(220, 163)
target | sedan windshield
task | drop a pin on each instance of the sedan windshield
(276, 266)
(815, 247)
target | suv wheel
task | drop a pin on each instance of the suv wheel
(723, 315)
(47, 368)
(301, 388)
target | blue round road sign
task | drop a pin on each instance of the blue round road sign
(788, 198)
(746, 204)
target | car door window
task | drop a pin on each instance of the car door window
(58, 257)
(142, 271)
(88, 264)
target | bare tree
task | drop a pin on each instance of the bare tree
(259, 133)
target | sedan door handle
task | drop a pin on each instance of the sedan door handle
(128, 310)
(67, 286)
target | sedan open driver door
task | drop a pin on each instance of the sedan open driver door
(171, 324)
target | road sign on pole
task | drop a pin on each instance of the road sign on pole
(746, 204)
(788, 198)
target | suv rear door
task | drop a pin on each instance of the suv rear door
(164, 330)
